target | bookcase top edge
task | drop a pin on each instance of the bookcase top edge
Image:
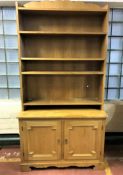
(63, 6)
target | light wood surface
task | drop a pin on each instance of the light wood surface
(72, 102)
(81, 142)
(61, 73)
(38, 133)
(65, 5)
(20, 46)
(63, 113)
(60, 33)
(62, 56)
(62, 89)
(62, 59)
(62, 163)
(88, 133)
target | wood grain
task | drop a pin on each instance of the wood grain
(62, 57)
(63, 113)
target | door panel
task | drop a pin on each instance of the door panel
(81, 139)
(43, 140)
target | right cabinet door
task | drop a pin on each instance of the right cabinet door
(82, 139)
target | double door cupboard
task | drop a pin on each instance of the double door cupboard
(62, 138)
(62, 56)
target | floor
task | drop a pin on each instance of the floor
(10, 158)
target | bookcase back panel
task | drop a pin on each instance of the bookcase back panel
(62, 66)
(62, 22)
(62, 46)
(73, 88)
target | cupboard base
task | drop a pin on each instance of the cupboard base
(76, 139)
(62, 164)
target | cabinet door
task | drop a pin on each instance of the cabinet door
(81, 139)
(43, 140)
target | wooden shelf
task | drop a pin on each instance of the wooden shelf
(61, 10)
(62, 59)
(59, 102)
(60, 33)
(62, 73)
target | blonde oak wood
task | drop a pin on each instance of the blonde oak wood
(60, 33)
(63, 113)
(20, 46)
(104, 54)
(62, 57)
(61, 73)
(56, 89)
(36, 132)
(60, 164)
(88, 133)
(66, 5)
(60, 102)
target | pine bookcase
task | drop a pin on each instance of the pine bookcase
(62, 58)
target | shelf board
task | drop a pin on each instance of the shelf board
(60, 33)
(60, 102)
(62, 73)
(62, 59)
(62, 10)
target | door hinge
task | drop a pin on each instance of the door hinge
(21, 128)
(23, 154)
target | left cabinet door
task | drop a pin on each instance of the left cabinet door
(42, 140)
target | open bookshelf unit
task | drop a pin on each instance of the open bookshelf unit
(62, 58)
(66, 45)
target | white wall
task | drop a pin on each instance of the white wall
(9, 110)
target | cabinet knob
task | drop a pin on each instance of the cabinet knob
(53, 152)
(66, 141)
(29, 128)
(30, 153)
(95, 127)
(93, 152)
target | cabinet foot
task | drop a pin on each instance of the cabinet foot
(25, 168)
(100, 166)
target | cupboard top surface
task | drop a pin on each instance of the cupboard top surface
(63, 113)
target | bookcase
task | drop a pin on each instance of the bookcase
(62, 56)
